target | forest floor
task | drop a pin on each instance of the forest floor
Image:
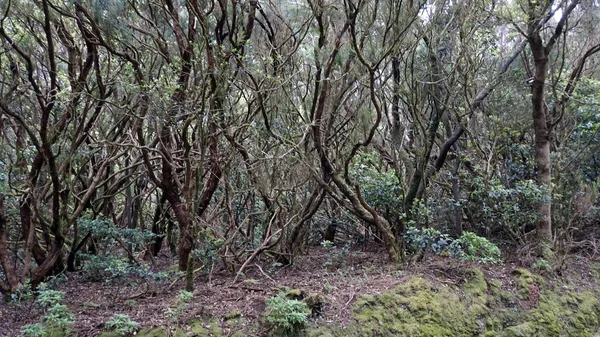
(217, 295)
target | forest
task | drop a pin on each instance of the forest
(300, 168)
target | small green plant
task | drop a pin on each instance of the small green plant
(22, 294)
(130, 303)
(48, 297)
(184, 296)
(57, 319)
(477, 248)
(326, 244)
(35, 330)
(542, 265)
(181, 303)
(121, 324)
(286, 316)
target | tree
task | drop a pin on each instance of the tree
(544, 119)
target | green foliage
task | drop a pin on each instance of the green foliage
(48, 297)
(502, 207)
(184, 296)
(477, 248)
(57, 319)
(326, 244)
(109, 265)
(286, 316)
(35, 330)
(211, 245)
(468, 246)
(380, 188)
(22, 294)
(181, 303)
(107, 235)
(541, 264)
(121, 324)
(112, 269)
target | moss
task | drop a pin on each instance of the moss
(296, 294)
(527, 329)
(567, 314)
(198, 329)
(232, 315)
(201, 329)
(476, 284)
(149, 332)
(179, 333)
(525, 280)
(481, 308)
(417, 308)
(110, 334)
(322, 332)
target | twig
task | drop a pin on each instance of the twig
(246, 288)
(266, 275)
(351, 298)
(262, 246)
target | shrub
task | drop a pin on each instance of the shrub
(57, 320)
(286, 316)
(108, 236)
(113, 268)
(35, 330)
(181, 303)
(380, 188)
(477, 248)
(505, 208)
(469, 246)
(121, 324)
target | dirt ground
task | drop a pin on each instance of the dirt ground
(216, 294)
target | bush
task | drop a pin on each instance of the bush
(121, 324)
(468, 246)
(286, 316)
(57, 320)
(505, 208)
(112, 268)
(181, 303)
(380, 188)
(107, 235)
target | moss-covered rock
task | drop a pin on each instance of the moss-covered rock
(480, 307)
(525, 281)
(315, 301)
(201, 329)
(418, 308)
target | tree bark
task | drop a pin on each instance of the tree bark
(542, 141)
(542, 124)
(9, 272)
